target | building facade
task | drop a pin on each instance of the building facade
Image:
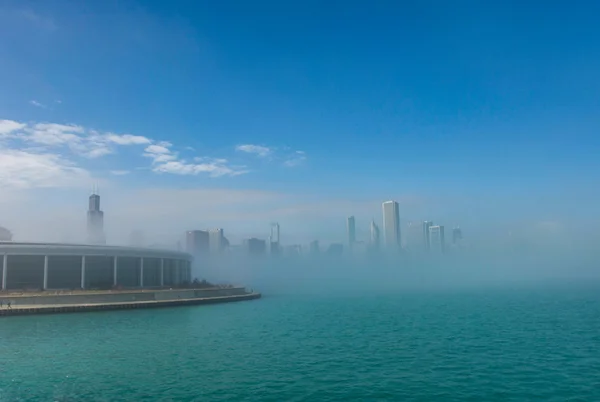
(255, 246)
(375, 236)
(197, 242)
(40, 266)
(95, 221)
(391, 225)
(351, 229)
(436, 239)
(426, 237)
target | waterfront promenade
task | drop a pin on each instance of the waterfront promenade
(81, 301)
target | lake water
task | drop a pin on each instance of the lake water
(496, 345)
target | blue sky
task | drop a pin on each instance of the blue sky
(461, 111)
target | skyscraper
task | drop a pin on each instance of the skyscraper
(217, 241)
(95, 221)
(413, 236)
(374, 235)
(351, 228)
(255, 246)
(391, 225)
(274, 246)
(436, 239)
(197, 242)
(426, 238)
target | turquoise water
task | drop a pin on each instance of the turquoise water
(500, 345)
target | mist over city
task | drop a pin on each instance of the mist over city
(314, 201)
(318, 247)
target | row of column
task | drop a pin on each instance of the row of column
(180, 274)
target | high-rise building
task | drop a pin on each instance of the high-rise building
(255, 246)
(216, 241)
(375, 237)
(426, 237)
(274, 245)
(456, 235)
(391, 225)
(413, 237)
(95, 221)
(351, 228)
(197, 242)
(436, 239)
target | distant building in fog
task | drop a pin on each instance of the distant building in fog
(293, 250)
(197, 242)
(436, 239)
(335, 249)
(313, 247)
(391, 225)
(216, 241)
(5, 234)
(274, 240)
(351, 229)
(414, 236)
(426, 236)
(375, 236)
(95, 221)
(456, 235)
(255, 246)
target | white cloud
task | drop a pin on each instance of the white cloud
(213, 169)
(120, 172)
(258, 150)
(8, 126)
(48, 138)
(54, 134)
(296, 159)
(24, 169)
(37, 104)
(127, 139)
(157, 149)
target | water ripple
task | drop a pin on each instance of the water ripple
(510, 346)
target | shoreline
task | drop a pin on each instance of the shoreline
(59, 308)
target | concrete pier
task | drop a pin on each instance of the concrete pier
(42, 303)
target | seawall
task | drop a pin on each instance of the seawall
(81, 302)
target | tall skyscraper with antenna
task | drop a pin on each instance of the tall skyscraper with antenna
(95, 220)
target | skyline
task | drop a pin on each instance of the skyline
(303, 123)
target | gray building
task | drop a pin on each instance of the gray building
(197, 242)
(35, 266)
(351, 228)
(254, 246)
(436, 239)
(216, 240)
(95, 221)
(426, 237)
(375, 236)
(391, 225)
(274, 240)
(456, 235)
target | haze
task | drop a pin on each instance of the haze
(482, 116)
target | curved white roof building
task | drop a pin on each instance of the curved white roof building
(36, 266)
